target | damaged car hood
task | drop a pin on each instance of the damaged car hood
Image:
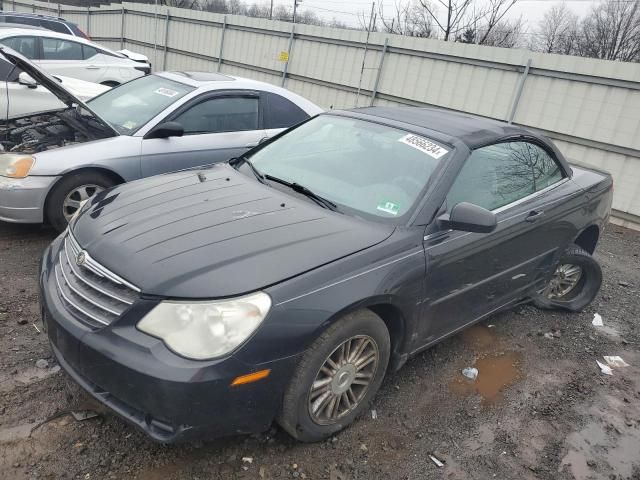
(50, 83)
(39, 132)
(214, 233)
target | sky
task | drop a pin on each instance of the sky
(348, 10)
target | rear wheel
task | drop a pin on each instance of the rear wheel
(70, 192)
(574, 284)
(337, 377)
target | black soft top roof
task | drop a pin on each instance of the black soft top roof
(451, 127)
(471, 130)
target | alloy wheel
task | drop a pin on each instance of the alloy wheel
(343, 380)
(74, 199)
(564, 280)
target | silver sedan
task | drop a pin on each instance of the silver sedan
(53, 161)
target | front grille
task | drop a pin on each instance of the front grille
(90, 292)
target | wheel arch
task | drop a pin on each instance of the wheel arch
(104, 171)
(393, 317)
(588, 238)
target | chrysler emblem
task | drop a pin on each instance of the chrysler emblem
(81, 258)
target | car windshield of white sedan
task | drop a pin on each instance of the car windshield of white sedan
(130, 106)
(363, 166)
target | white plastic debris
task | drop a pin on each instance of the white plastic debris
(374, 414)
(606, 369)
(615, 361)
(82, 415)
(597, 320)
(438, 463)
(247, 459)
(470, 372)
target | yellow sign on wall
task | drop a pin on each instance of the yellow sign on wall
(284, 56)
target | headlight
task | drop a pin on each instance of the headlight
(205, 330)
(15, 165)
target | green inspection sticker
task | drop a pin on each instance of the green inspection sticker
(389, 207)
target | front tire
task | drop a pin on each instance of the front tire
(574, 284)
(69, 192)
(337, 377)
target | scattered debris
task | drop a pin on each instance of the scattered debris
(597, 320)
(606, 369)
(22, 321)
(438, 463)
(470, 372)
(36, 327)
(624, 284)
(82, 415)
(615, 361)
(262, 472)
(554, 333)
(374, 415)
(491, 325)
(363, 448)
(247, 459)
(42, 363)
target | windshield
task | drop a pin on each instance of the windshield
(364, 167)
(130, 106)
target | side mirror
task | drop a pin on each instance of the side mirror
(468, 217)
(26, 80)
(166, 130)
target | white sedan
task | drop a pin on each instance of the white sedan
(75, 57)
(26, 96)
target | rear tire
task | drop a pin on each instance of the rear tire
(363, 335)
(586, 286)
(69, 191)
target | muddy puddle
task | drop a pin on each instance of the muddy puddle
(497, 369)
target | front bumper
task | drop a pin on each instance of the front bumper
(168, 397)
(22, 199)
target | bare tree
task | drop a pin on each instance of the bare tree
(192, 4)
(492, 15)
(456, 18)
(409, 19)
(557, 31)
(611, 31)
(505, 33)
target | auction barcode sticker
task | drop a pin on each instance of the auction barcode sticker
(424, 145)
(167, 92)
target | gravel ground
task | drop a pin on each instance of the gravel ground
(540, 408)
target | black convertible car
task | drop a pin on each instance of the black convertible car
(284, 284)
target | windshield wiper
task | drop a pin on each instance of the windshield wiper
(296, 187)
(236, 160)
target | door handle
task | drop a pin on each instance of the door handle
(534, 216)
(93, 67)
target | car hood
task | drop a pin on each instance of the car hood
(50, 83)
(214, 233)
(136, 57)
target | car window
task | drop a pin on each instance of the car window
(497, 175)
(8, 71)
(221, 114)
(88, 52)
(58, 49)
(54, 26)
(371, 170)
(23, 45)
(280, 112)
(130, 106)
